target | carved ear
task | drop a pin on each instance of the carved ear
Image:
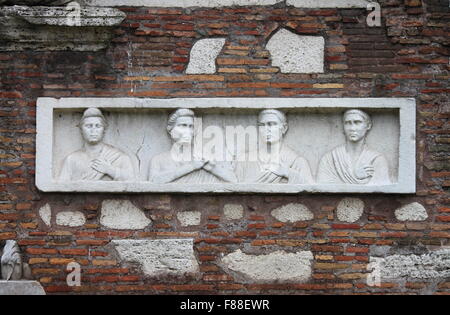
(285, 128)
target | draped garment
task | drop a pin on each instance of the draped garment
(77, 166)
(337, 167)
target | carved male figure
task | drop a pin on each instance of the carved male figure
(276, 162)
(354, 162)
(179, 164)
(96, 160)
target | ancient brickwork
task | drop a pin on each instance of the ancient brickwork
(407, 56)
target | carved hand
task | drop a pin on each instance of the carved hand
(209, 166)
(364, 172)
(198, 164)
(102, 166)
(279, 170)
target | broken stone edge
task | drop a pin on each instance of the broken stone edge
(59, 16)
(22, 287)
(44, 143)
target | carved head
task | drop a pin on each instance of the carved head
(272, 125)
(357, 124)
(181, 126)
(93, 125)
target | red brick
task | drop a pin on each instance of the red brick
(74, 252)
(256, 226)
(346, 226)
(7, 235)
(41, 251)
(443, 218)
(11, 95)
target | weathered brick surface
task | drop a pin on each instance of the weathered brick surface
(407, 57)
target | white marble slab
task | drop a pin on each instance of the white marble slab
(138, 128)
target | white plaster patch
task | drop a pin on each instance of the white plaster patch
(277, 266)
(294, 53)
(160, 257)
(189, 218)
(123, 215)
(181, 3)
(233, 211)
(411, 212)
(292, 212)
(70, 218)
(203, 56)
(329, 3)
(350, 210)
(46, 214)
(435, 265)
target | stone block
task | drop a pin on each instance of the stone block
(70, 218)
(123, 215)
(189, 218)
(350, 210)
(169, 257)
(137, 135)
(21, 288)
(294, 53)
(45, 213)
(293, 212)
(233, 211)
(279, 266)
(203, 56)
(411, 212)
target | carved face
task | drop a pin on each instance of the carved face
(183, 131)
(355, 127)
(92, 130)
(271, 129)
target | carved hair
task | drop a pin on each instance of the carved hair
(280, 115)
(93, 112)
(363, 114)
(181, 112)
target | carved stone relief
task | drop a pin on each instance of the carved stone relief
(227, 145)
(96, 160)
(354, 162)
(12, 267)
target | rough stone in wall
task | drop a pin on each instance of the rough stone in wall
(293, 212)
(122, 215)
(70, 218)
(173, 257)
(278, 266)
(434, 265)
(233, 211)
(57, 28)
(21, 288)
(189, 218)
(45, 213)
(203, 56)
(63, 16)
(350, 210)
(411, 212)
(294, 53)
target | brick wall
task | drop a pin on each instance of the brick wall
(408, 56)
